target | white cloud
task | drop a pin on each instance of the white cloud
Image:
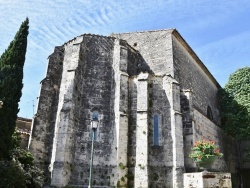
(54, 22)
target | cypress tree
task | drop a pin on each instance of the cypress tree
(11, 76)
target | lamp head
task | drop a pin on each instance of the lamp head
(94, 123)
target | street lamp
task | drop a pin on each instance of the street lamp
(94, 125)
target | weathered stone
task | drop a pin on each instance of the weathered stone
(151, 93)
(207, 180)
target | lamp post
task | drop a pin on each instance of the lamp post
(94, 125)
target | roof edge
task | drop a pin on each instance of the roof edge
(24, 119)
(194, 55)
(171, 29)
(88, 34)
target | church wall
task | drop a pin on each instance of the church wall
(191, 77)
(42, 130)
(155, 47)
(133, 60)
(61, 159)
(94, 92)
(132, 124)
(151, 81)
(160, 156)
(199, 92)
(244, 153)
(204, 128)
(141, 162)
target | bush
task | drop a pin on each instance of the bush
(19, 171)
(12, 174)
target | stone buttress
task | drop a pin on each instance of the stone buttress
(151, 94)
(121, 111)
(61, 159)
(141, 164)
(42, 129)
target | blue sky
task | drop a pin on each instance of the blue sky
(218, 31)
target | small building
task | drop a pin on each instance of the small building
(153, 97)
(23, 126)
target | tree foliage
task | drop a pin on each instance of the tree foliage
(11, 75)
(238, 87)
(235, 104)
(19, 171)
(16, 165)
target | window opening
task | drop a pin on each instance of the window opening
(209, 113)
(156, 130)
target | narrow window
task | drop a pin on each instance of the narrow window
(209, 113)
(156, 130)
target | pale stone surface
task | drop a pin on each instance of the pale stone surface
(206, 129)
(155, 47)
(141, 165)
(172, 88)
(63, 142)
(207, 180)
(121, 116)
(128, 80)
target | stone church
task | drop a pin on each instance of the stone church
(153, 98)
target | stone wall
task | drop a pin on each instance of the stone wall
(205, 129)
(151, 93)
(42, 129)
(191, 75)
(93, 91)
(207, 180)
(198, 94)
(244, 148)
(62, 155)
(155, 47)
(160, 156)
(132, 130)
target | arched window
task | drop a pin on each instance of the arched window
(209, 113)
(156, 130)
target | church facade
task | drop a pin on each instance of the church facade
(153, 98)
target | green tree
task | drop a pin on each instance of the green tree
(16, 165)
(19, 171)
(238, 86)
(11, 174)
(235, 104)
(11, 76)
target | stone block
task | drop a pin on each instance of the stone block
(207, 180)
